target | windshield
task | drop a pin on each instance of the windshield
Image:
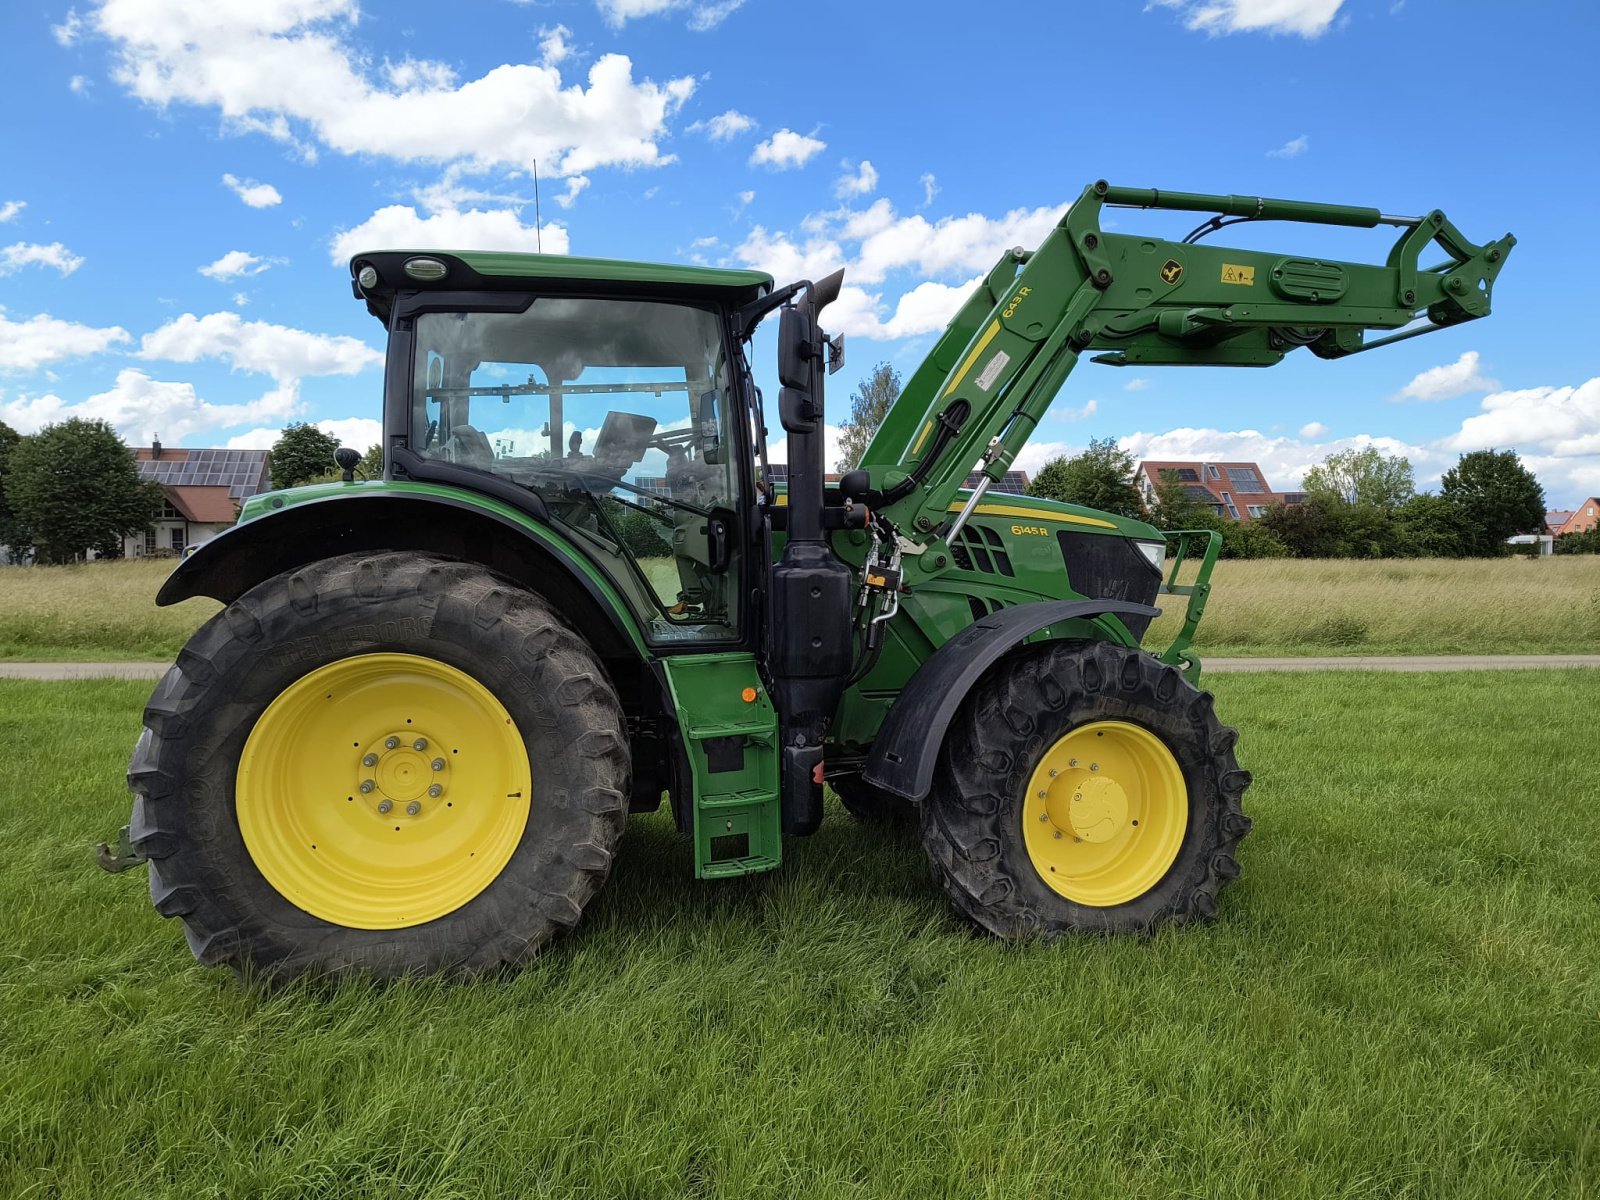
(616, 413)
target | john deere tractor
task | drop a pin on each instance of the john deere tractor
(412, 739)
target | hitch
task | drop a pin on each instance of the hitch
(118, 860)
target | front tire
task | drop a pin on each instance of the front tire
(392, 764)
(1085, 787)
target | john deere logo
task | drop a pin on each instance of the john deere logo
(1171, 271)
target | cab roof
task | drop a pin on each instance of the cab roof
(481, 270)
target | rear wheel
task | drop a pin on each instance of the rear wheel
(1085, 787)
(391, 763)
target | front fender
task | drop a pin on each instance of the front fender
(326, 522)
(907, 747)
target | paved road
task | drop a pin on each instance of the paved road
(1452, 662)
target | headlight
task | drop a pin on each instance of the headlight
(1156, 552)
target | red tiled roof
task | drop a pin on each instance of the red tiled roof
(206, 505)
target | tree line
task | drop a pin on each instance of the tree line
(1359, 503)
(73, 488)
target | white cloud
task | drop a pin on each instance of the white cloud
(399, 226)
(31, 254)
(930, 188)
(554, 48)
(70, 29)
(78, 84)
(277, 350)
(40, 340)
(857, 182)
(575, 184)
(256, 195)
(1313, 429)
(360, 432)
(724, 125)
(10, 209)
(140, 407)
(1308, 18)
(1555, 422)
(1453, 379)
(1137, 384)
(235, 264)
(287, 69)
(1293, 148)
(786, 149)
(703, 15)
(240, 299)
(745, 199)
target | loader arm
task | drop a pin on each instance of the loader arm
(1146, 301)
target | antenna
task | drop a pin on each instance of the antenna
(538, 222)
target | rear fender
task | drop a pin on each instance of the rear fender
(436, 522)
(907, 748)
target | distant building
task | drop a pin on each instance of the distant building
(1580, 520)
(201, 494)
(1231, 489)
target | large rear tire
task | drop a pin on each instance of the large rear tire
(390, 764)
(1085, 787)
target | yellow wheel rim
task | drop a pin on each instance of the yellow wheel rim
(1105, 813)
(383, 791)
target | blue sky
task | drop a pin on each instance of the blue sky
(182, 180)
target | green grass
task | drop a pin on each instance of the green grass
(106, 611)
(1400, 1000)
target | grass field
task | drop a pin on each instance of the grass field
(1400, 1000)
(106, 611)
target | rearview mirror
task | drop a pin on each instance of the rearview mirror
(795, 349)
(710, 430)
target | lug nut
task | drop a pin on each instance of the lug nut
(438, 764)
(420, 744)
(1094, 766)
(389, 743)
(435, 790)
(369, 760)
(366, 786)
(384, 806)
(1058, 834)
(1072, 762)
(413, 809)
(1054, 772)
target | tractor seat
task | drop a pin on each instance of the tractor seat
(469, 448)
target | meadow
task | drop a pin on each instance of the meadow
(1399, 1000)
(106, 611)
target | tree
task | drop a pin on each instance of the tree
(371, 463)
(1101, 477)
(75, 487)
(1314, 529)
(1251, 539)
(1363, 476)
(1429, 526)
(11, 535)
(1498, 498)
(1177, 508)
(301, 453)
(870, 404)
(1587, 542)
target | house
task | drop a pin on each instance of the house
(1580, 520)
(1232, 489)
(201, 493)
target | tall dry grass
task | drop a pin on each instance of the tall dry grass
(1505, 606)
(1398, 606)
(96, 611)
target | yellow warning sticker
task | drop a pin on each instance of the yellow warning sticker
(1232, 273)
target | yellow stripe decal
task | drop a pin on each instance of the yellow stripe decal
(922, 437)
(1033, 514)
(966, 365)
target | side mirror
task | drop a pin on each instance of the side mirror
(710, 430)
(795, 348)
(835, 352)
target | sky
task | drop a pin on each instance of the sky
(182, 183)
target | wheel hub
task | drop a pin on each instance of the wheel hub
(1105, 813)
(383, 791)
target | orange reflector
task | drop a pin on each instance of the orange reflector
(748, 695)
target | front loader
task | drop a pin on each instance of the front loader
(412, 739)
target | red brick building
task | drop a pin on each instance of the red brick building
(1237, 490)
(1580, 520)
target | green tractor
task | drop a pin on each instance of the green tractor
(412, 739)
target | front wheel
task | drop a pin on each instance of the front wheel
(1085, 787)
(392, 763)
